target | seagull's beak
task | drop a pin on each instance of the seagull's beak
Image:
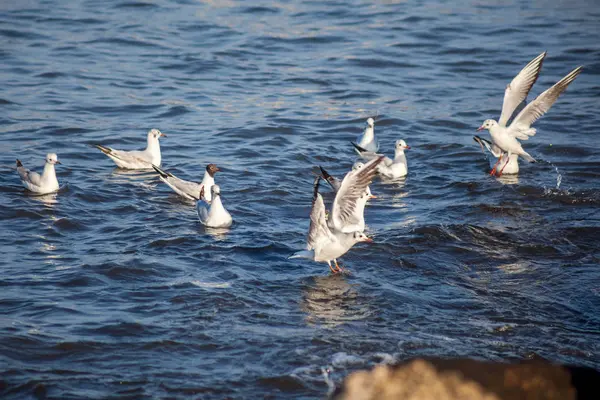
(372, 196)
(407, 148)
(163, 135)
(368, 240)
(57, 162)
(217, 169)
(480, 128)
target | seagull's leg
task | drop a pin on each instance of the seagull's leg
(506, 163)
(340, 269)
(330, 267)
(493, 171)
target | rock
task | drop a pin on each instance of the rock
(437, 379)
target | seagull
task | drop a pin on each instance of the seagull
(215, 215)
(396, 168)
(40, 184)
(505, 137)
(367, 139)
(513, 163)
(325, 241)
(140, 159)
(187, 189)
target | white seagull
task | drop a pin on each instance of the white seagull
(215, 215)
(513, 162)
(367, 139)
(190, 190)
(505, 137)
(325, 242)
(40, 184)
(138, 159)
(396, 168)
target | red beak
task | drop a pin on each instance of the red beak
(407, 148)
(368, 240)
(480, 128)
(163, 135)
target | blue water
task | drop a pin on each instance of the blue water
(112, 288)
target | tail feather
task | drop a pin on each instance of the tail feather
(526, 156)
(310, 254)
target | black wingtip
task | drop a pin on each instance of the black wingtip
(19, 163)
(324, 173)
(357, 147)
(316, 188)
(160, 171)
(103, 149)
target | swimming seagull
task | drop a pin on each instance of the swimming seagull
(396, 168)
(190, 190)
(367, 139)
(140, 159)
(215, 215)
(513, 163)
(505, 137)
(326, 243)
(40, 184)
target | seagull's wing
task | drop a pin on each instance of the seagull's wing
(334, 182)
(371, 155)
(184, 188)
(520, 86)
(318, 231)
(135, 156)
(353, 186)
(521, 125)
(491, 147)
(27, 175)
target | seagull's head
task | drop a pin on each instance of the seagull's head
(401, 145)
(487, 124)
(361, 237)
(52, 158)
(370, 122)
(215, 190)
(154, 134)
(212, 169)
(357, 166)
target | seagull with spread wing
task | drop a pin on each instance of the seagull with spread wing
(329, 240)
(505, 137)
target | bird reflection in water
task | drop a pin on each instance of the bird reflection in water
(509, 179)
(216, 233)
(332, 301)
(49, 200)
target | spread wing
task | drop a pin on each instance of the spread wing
(521, 125)
(520, 86)
(353, 186)
(318, 231)
(370, 155)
